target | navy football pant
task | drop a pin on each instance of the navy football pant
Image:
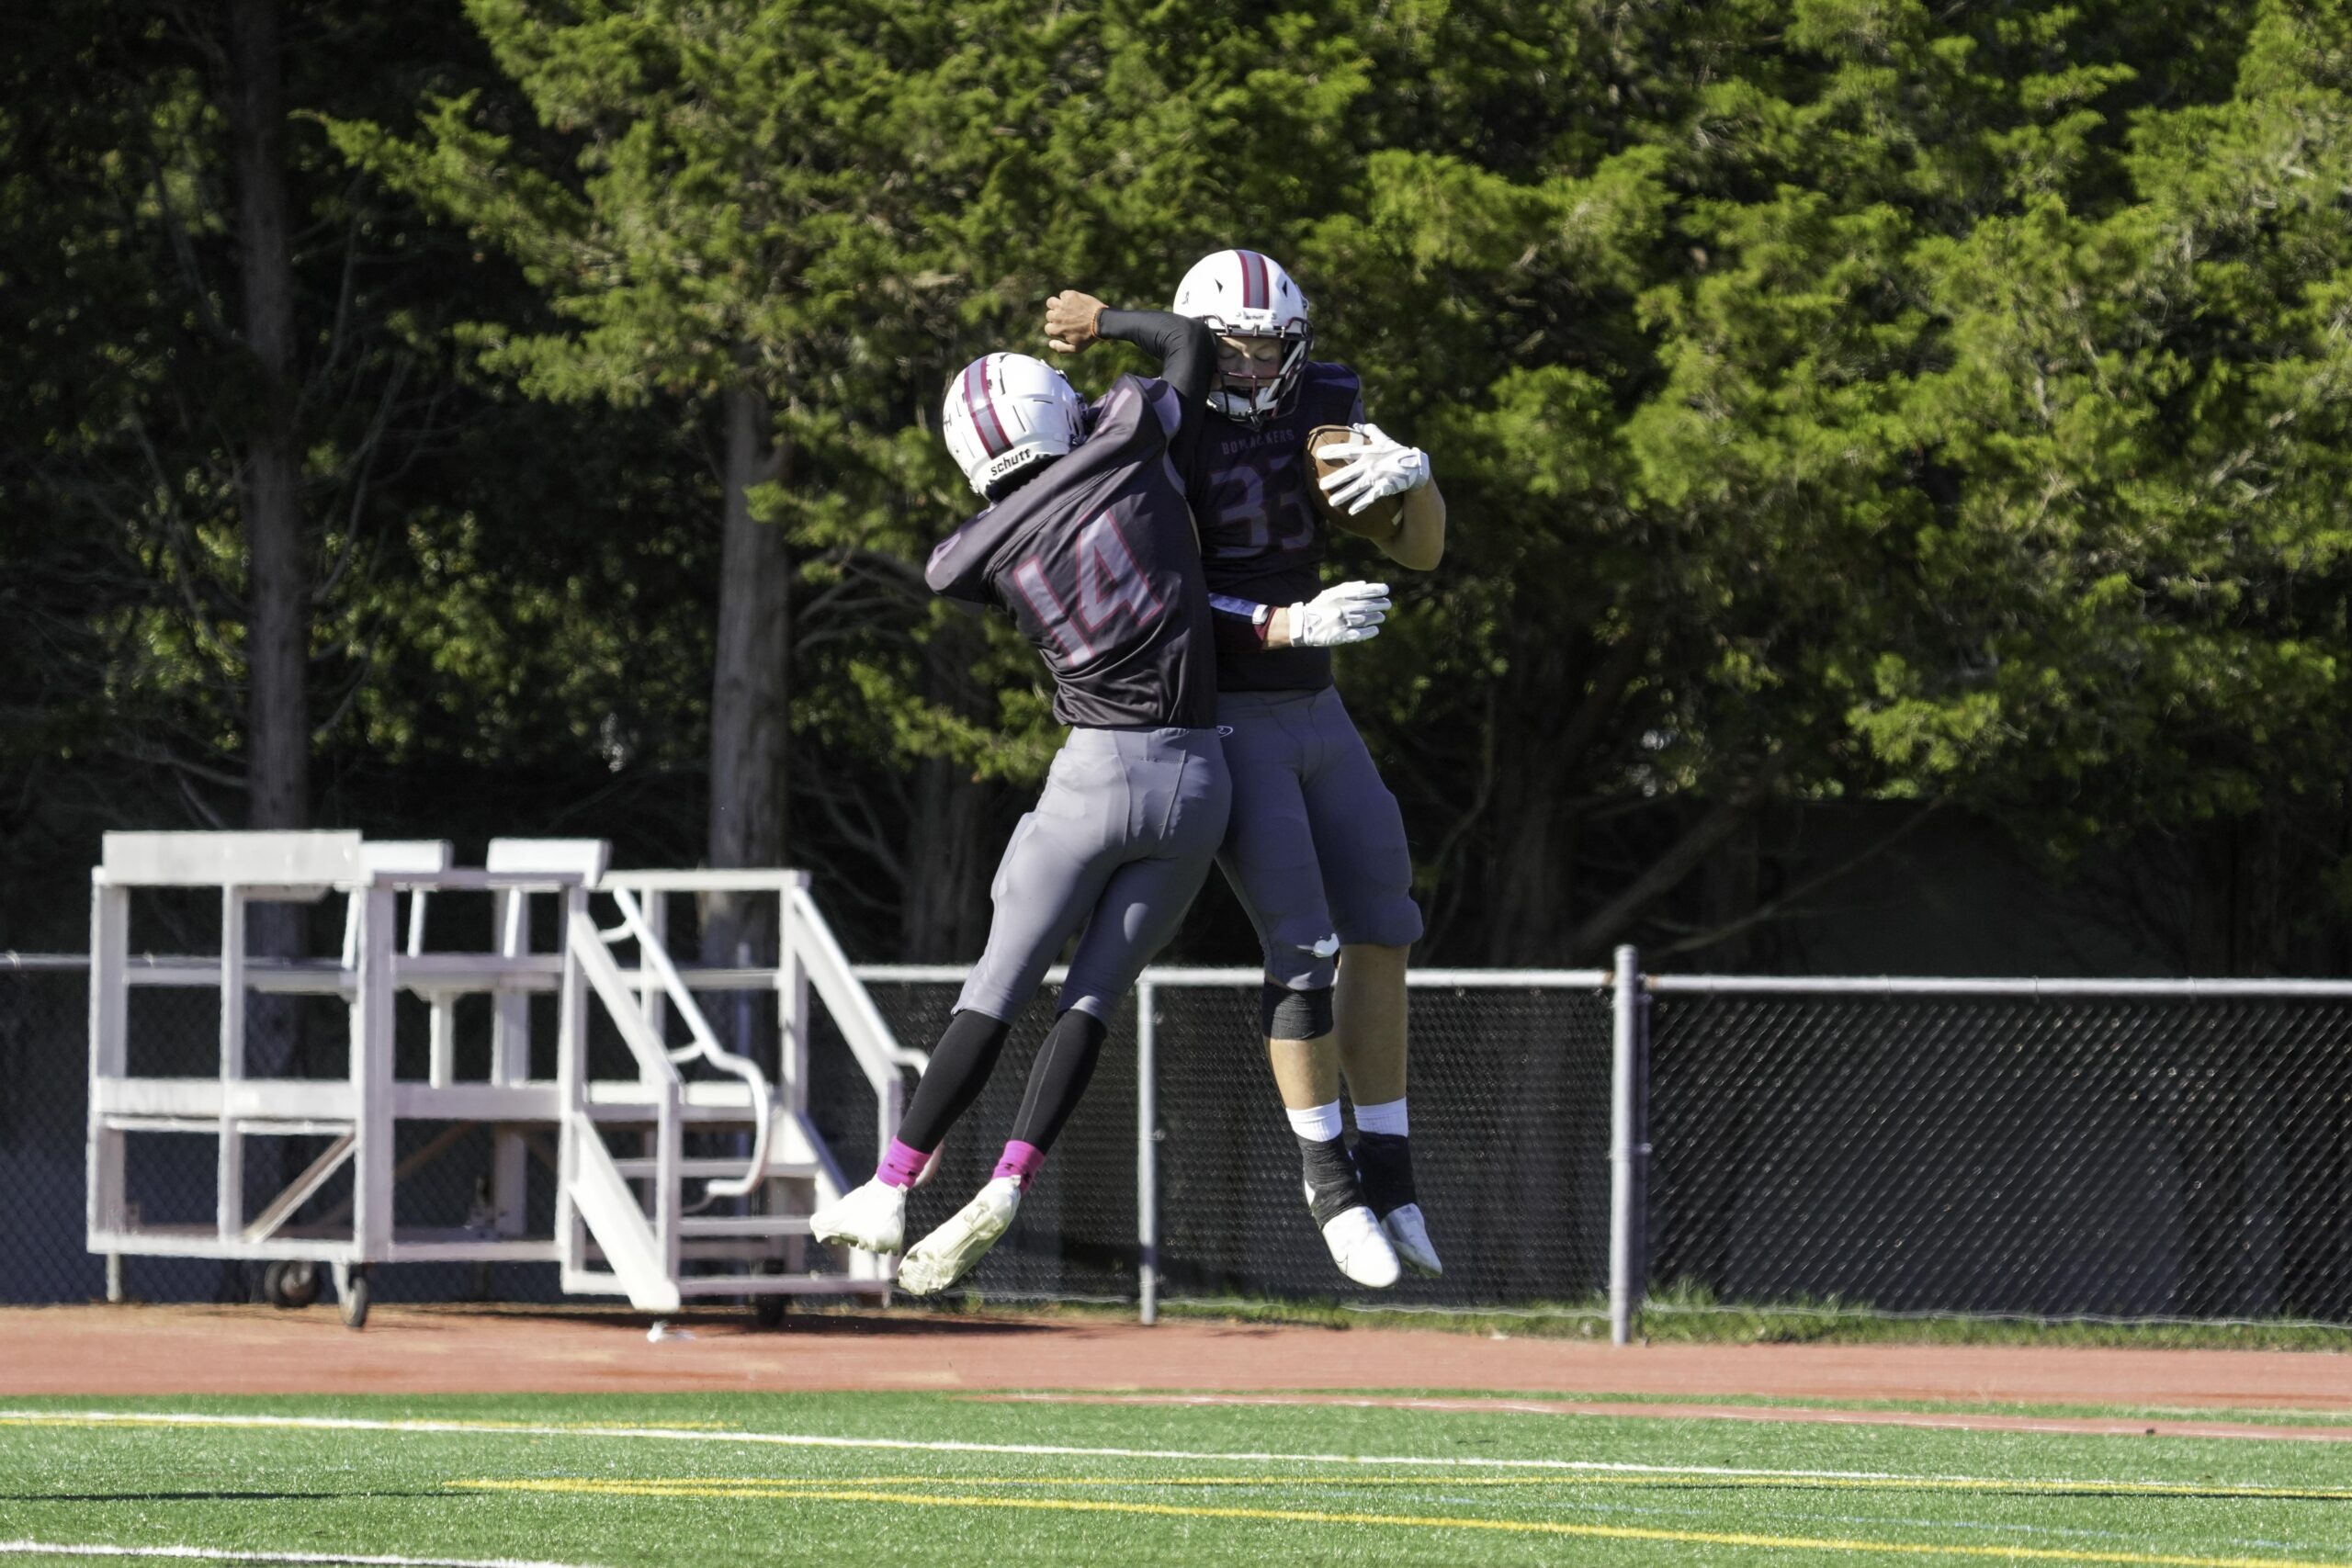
(1316, 845)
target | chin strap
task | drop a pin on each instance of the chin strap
(1240, 409)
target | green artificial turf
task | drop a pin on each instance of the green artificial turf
(1234, 1486)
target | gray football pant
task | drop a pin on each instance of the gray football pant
(1119, 842)
(1316, 847)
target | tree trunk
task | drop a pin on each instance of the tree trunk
(277, 579)
(750, 691)
(1529, 877)
(943, 906)
(943, 916)
(1729, 810)
(1529, 902)
(277, 737)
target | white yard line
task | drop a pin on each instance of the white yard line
(99, 1418)
(2194, 1426)
(210, 1554)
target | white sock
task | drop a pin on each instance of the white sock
(1319, 1125)
(1385, 1118)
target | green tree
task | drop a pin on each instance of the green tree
(756, 218)
(1838, 425)
(213, 386)
(1840, 400)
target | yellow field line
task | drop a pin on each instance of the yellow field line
(1416, 1522)
(2093, 1489)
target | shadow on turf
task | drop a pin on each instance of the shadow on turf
(203, 1497)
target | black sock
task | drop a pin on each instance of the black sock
(960, 1065)
(1385, 1161)
(1058, 1078)
(1331, 1187)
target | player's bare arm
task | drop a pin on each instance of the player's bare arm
(1419, 543)
(1369, 468)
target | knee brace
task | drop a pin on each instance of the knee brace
(1301, 955)
(1285, 1014)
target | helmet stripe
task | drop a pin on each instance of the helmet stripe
(1254, 291)
(980, 403)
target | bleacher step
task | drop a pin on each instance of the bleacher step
(696, 1168)
(743, 1225)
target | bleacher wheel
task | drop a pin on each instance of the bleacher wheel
(291, 1283)
(767, 1311)
(355, 1297)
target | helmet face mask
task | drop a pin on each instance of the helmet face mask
(1243, 295)
(1258, 368)
(1006, 413)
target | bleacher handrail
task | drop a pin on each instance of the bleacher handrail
(603, 973)
(836, 980)
(655, 959)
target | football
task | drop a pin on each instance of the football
(1378, 521)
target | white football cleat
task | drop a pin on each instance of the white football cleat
(1410, 1237)
(947, 1254)
(1360, 1246)
(872, 1218)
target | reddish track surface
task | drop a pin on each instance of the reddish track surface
(135, 1350)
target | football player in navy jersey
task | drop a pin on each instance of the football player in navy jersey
(1316, 844)
(1088, 544)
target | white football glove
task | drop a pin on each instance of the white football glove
(1351, 613)
(1377, 465)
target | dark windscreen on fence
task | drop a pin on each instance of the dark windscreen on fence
(1076, 1236)
(1511, 1127)
(2048, 1156)
(1510, 1099)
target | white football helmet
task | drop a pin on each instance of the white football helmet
(1243, 294)
(1006, 412)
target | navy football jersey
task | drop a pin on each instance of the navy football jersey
(1096, 561)
(1261, 536)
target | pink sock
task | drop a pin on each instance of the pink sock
(1022, 1162)
(901, 1165)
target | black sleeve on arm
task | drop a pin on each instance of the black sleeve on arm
(1185, 348)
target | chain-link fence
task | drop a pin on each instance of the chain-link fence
(2046, 1152)
(2050, 1151)
(1510, 1145)
(44, 1067)
(1076, 1238)
(1510, 1120)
